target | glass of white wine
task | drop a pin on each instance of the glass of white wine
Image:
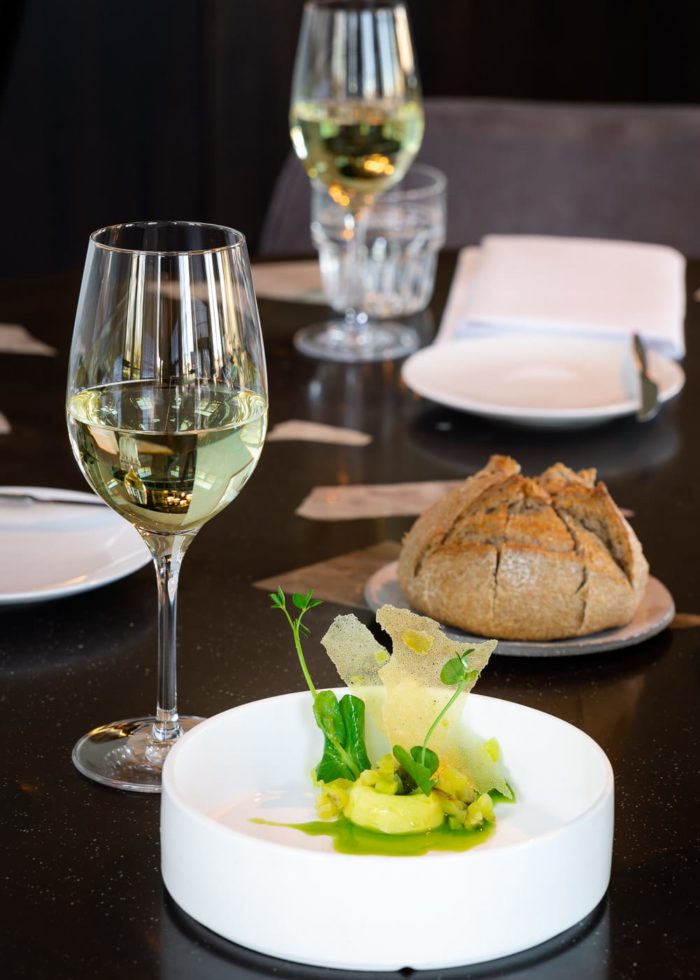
(356, 123)
(167, 413)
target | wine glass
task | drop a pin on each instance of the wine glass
(356, 123)
(167, 412)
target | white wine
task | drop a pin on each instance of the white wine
(354, 147)
(167, 457)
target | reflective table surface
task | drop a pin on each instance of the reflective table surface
(82, 890)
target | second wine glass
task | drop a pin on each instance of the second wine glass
(167, 412)
(356, 122)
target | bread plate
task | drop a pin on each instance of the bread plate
(654, 614)
(285, 894)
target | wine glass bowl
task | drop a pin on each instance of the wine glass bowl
(166, 410)
(356, 123)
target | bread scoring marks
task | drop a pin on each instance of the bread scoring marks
(582, 589)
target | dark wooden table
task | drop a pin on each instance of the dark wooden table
(81, 887)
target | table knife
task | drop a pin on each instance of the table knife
(649, 390)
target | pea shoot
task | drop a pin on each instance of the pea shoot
(342, 722)
(421, 763)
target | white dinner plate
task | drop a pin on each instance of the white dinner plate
(286, 894)
(655, 612)
(51, 550)
(537, 379)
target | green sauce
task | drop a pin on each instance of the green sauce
(348, 838)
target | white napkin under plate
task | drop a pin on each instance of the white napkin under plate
(580, 286)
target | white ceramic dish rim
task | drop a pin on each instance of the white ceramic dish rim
(225, 874)
(127, 565)
(169, 783)
(518, 412)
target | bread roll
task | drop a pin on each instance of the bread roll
(521, 558)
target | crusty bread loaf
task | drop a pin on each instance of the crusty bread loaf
(523, 558)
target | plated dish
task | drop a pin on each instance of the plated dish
(51, 550)
(537, 380)
(235, 875)
(654, 614)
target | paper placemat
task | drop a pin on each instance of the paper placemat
(293, 282)
(302, 431)
(360, 501)
(340, 580)
(15, 339)
(685, 621)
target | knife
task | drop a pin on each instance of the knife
(649, 390)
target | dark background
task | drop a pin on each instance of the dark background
(113, 111)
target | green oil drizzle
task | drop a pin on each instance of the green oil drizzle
(348, 838)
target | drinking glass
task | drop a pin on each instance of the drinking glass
(356, 123)
(404, 231)
(167, 412)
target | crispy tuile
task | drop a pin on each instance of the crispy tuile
(413, 692)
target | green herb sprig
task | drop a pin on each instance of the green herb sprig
(342, 722)
(422, 762)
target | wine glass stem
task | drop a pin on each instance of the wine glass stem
(168, 551)
(355, 316)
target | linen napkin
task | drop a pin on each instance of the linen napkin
(578, 286)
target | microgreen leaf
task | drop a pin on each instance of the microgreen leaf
(277, 598)
(417, 772)
(426, 757)
(342, 723)
(452, 672)
(352, 710)
(305, 600)
(298, 628)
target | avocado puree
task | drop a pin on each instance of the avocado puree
(348, 838)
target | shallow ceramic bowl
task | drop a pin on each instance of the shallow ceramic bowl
(283, 893)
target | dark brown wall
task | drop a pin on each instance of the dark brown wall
(112, 111)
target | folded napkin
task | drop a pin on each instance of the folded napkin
(580, 286)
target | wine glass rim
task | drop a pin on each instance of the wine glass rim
(238, 238)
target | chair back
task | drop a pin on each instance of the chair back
(627, 172)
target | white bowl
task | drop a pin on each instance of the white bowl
(289, 895)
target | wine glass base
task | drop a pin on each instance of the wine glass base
(125, 755)
(377, 342)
